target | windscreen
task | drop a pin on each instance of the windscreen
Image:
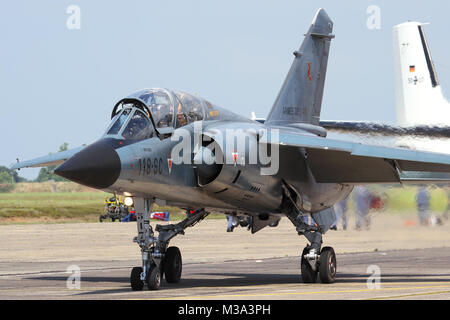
(115, 128)
(139, 127)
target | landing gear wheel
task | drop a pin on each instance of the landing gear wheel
(308, 274)
(172, 265)
(327, 267)
(135, 279)
(154, 278)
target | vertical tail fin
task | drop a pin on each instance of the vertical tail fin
(419, 99)
(300, 97)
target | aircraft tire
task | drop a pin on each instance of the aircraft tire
(172, 265)
(154, 278)
(135, 279)
(308, 274)
(328, 266)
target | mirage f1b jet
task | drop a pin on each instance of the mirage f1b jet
(169, 147)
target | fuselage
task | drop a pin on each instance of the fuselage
(158, 144)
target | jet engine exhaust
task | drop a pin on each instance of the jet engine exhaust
(387, 130)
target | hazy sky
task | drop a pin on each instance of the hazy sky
(59, 84)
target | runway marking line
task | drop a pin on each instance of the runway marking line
(303, 293)
(87, 290)
(410, 295)
(54, 290)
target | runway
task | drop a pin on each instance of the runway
(404, 274)
(411, 262)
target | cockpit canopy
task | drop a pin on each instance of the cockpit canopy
(132, 124)
(159, 104)
(143, 112)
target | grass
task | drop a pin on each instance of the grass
(34, 203)
(82, 205)
(403, 199)
(48, 207)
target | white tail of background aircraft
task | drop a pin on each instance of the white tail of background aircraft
(419, 99)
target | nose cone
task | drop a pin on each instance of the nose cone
(96, 166)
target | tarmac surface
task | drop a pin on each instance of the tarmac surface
(40, 261)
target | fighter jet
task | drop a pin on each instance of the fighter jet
(169, 147)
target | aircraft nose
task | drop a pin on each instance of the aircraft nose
(96, 166)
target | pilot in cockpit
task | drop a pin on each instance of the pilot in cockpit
(181, 118)
(163, 115)
(161, 109)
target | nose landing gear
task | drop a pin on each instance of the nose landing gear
(159, 260)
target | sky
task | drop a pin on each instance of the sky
(59, 82)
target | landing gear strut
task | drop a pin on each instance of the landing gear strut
(315, 260)
(158, 259)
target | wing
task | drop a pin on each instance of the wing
(51, 159)
(336, 161)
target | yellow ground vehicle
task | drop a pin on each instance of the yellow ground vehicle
(114, 209)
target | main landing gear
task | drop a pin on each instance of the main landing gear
(315, 260)
(323, 264)
(158, 259)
